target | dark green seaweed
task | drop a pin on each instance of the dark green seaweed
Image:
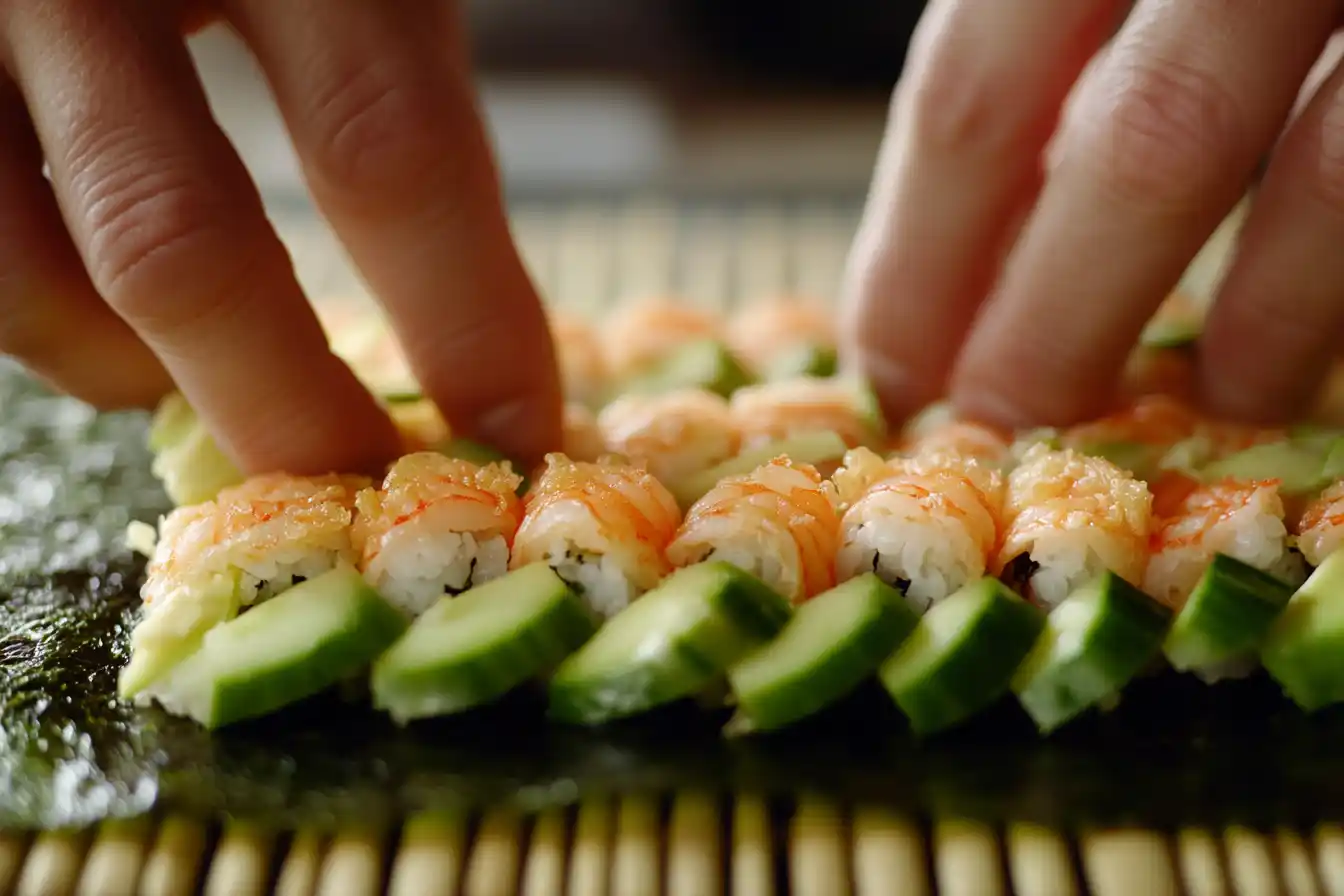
(1176, 751)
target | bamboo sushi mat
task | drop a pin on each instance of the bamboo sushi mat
(588, 256)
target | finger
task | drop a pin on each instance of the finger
(1158, 146)
(173, 235)
(960, 162)
(1272, 333)
(51, 318)
(379, 104)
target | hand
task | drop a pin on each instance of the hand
(148, 257)
(1154, 146)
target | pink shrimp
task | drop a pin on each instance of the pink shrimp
(583, 368)
(1244, 520)
(770, 411)
(962, 438)
(1320, 530)
(763, 331)
(644, 333)
(776, 522)
(604, 527)
(675, 433)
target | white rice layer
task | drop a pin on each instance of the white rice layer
(1255, 537)
(604, 581)
(1061, 567)
(420, 566)
(928, 558)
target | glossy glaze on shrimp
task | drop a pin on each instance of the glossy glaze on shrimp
(604, 527)
(1244, 520)
(777, 522)
(1068, 518)
(764, 331)
(271, 530)
(644, 333)
(674, 433)
(926, 525)
(770, 411)
(1320, 530)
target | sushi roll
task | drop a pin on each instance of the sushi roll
(962, 439)
(1320, 528)
(925, 525)
(435, 526)
(778, 523)
(642, 334)
(583, 366)
(1243, 520)
(582, 437)
(675, 433)
(771, 336)
(603, 527)
(769, 412)
(210, 561)
(1068, 518)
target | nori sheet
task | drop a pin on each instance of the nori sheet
(1175, 752)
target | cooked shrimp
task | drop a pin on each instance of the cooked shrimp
(675, 433)
(763, 331)
(1320, 531)
(603, 527)
(646, 332)
(583, 368)
(582, 437)
(1069, 518)
(776, 522)
(962, 438)
(272, 530)
(770, 411)
(436, 526)
(1243, 520)
(926, 525)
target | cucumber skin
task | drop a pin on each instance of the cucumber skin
(477, 679)
(830, 680)
(1111, 657)
(744, 614)
(985, 663)
(239, 699)
(1305, 655)
(1200, 636)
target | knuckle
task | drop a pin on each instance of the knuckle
(1158, 128)
(158, 242)
(952, 102)
(374, 130)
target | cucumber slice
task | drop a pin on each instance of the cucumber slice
(1095, 641)
(673, 642)
(807, 448)
(193, 469)
(833, 642)
(962, 655)
(293, 646)
(472, 649)
(1299, 468)
(704, 364)
(1304, 650)
(803, 360)
(1332, 468)
(168, 635)
(1226, 617)
(172, 420)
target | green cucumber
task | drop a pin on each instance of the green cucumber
(474, 648)
(1304, 650)
(169, 634)
(962, 655)
(671, 643)
(297, 644)
(1094, 643)
(1299, 467)
(1332, 468)
(833, 642)
(1226, 617)
(194, 469)
(704, 364)
(172, 420)
(807, 448)
(807, 359)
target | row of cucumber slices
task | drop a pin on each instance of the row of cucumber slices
(712, 624)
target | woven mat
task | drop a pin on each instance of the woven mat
(588, 256)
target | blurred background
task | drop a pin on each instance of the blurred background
(682, 95)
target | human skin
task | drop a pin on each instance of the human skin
(146, 263)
